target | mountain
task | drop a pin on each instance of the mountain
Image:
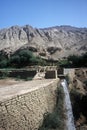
(53, 42)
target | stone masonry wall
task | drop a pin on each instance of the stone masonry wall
(25, 112)
(51, 74)
(18, 73)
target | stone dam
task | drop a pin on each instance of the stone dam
(23, 104)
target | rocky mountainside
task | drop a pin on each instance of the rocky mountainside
(78, 93)
(54, 42)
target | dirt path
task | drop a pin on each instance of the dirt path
(11, 88)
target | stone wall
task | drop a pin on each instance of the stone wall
(25, 112)
(70, 72)
(18, 73)
(51, 74)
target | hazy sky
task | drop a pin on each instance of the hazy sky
(43, 13)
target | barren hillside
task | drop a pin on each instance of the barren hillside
(54, 42)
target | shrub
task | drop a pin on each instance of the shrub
(14, 60)
(78, 61)
(25, 53)
(18, 78)
(22, 58)
(3, 63)
(28, 78)
(4, 75)
(67, 79)
(64, 63)
(55, 120)
(34, 60)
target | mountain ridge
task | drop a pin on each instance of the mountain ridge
(52, 42)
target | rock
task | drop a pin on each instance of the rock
(84, 127)
(79, 98)
(81, 120)
(58, 42)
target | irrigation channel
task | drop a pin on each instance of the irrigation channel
(68, 108)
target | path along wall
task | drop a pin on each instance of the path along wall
(25, 112)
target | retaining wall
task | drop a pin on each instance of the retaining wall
(18, 73)
(51, 74)
(25, 112)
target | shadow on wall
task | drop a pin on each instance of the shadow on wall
(21, 74)
(51, 74)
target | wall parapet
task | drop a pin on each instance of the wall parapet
(25, 111)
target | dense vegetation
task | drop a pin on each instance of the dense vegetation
(55, 120)
(20, 59)
(74, 61)
(25, 58)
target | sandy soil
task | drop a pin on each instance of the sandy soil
(10, 88)
(9, 81)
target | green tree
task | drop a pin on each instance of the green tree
(3, 63)
(14, 61)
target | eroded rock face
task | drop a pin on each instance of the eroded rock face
(55, 42)
(79, 98)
